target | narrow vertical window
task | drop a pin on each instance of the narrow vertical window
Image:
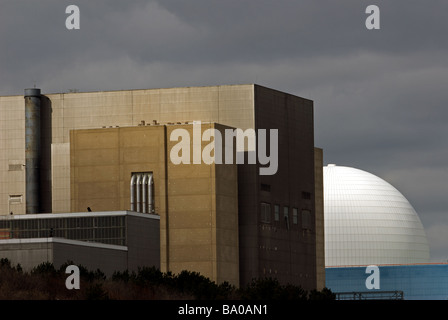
(265, 214)
(142, 192)
(276, 212)
(294, 215)
(306, 219)
(286, 216)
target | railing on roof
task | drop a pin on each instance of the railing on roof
(370, 295)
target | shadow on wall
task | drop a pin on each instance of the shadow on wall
(45, 165)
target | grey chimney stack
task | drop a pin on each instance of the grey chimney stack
(32, 149)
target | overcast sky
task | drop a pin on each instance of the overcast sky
(380, 96)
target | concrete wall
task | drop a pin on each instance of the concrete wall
(202, 223)
(108, 260)
(143, 242)
(12, 154)
(102, 162)
(229, 104)
(320, 227)
(29, 253)
(276, 248)
(197, 203)
(32, 252)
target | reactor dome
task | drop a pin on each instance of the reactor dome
(368, 221)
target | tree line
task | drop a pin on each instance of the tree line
(46, 282)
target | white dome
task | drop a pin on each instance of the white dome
(369, 222)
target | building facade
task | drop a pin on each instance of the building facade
(277, 213)
(109, 241)
(197, 203)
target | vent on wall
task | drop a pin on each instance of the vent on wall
(306, 195)
(142, 192)
(15, 167)
(16, 198)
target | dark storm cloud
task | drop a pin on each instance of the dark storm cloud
(278, 29)
(199, 35)
(380, 96)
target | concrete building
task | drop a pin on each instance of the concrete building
(197, 203)
(278, 215)
(109, 241)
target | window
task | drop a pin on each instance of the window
(286, 216)
(15, 198)
(306, 219)
(142, 192)
(111, 230)
(265, 187)
(294, 216)
(306, 195)
(15, 167)
(276, 212)
(265, 212)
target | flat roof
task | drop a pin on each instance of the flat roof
(64, 241)
(141, 89)
(80, 215)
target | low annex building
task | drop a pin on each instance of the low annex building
(109, 241)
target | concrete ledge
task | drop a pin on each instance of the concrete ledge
(64, 241)
(80, 215)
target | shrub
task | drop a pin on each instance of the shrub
(325, 294)
(45, 282)
(95, 291)
(45, 268)
(5, 263)
(271, 289)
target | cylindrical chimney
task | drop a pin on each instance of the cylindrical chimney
(32, 149)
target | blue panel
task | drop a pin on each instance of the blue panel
(418, 282)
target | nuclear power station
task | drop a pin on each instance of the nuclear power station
(221, 180)
(89, 177)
